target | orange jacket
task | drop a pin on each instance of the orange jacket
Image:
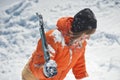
(65, 58)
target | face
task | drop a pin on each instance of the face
(76, 40)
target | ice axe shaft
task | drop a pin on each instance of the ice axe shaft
(43, 38)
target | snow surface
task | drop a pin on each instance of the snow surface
(19, 33)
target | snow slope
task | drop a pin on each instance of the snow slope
(19, 33)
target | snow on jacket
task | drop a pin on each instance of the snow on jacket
(65, 57)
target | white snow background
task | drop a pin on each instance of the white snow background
(19, 33)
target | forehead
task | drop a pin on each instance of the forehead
(89, 32)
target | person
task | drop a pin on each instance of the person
(66, 46)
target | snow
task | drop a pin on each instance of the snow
(19, 33)
(58, 37)
(51, 49)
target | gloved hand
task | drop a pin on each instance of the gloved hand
(50, 68)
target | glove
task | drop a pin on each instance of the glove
(50, 68)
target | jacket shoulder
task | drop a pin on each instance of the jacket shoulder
(61, 21)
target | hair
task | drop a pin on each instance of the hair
(78, 34)
(90, 31)
(84, 20)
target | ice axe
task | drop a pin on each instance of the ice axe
(50, 66)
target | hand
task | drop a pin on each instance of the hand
(50, 68)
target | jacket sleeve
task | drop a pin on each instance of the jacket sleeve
(79, 69)
(37, 61)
